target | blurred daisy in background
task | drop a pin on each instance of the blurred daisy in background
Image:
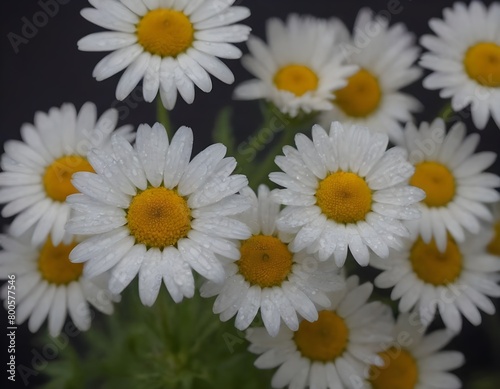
(333, 352)
(37, 171)
(297, 70)
(385, 57)
(270, 278)
(48, 286)
(453, 178)
(464, 57)
(170, 45)
(416, 360)
(345, 191)
(154, 213)
(456, 282)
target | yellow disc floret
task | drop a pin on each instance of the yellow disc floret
(54, 264)
(57, 177)
(494, 245)
(265, 261)
(361, 96)
(158, 217)
(323, 340)
(433, 266)
(436, 181)
(344, 197)
(165, 32)
(400, 371)
(298, 79)
(482, 64)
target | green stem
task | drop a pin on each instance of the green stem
(446, 112)
(285, 128)
(260, 175)
(162, 116)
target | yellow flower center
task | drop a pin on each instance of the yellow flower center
(482, 63)
(433, 266)
(158, 217)
(436, 181)
(57, 177)
(265, 261)
(344, 197)
(298, 79)
(54, 264)
(361, 96)
(494, 246)
(165, 32)
(323, 340)
(400, 371)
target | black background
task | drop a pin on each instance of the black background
(49, 70)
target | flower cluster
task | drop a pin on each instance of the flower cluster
(359, 185)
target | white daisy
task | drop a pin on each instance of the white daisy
(453, 179)
(172, 45)
(37, 171)
(456, 281)
(297, 71)
(385, 56)
(465, 59)
(335, 351)
(268, 277)
(49, 286)
(344, 190)
(415, 360)
(153, 212)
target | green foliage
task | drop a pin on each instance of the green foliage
(223, 131)
(174, 346)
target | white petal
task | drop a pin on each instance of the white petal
(129, 161)
(195, 72)
(96, 187)
(151, 81)
(57, 314)
(200, 168)
(205, 263)
(178, 274)
(131, 77)
(150, 277)
(29, 217)
(178, 156)
(151, 146)
(270, 313)
(41, 310)
(218, 49)
(106, 41)
(212, 65)
(223, 227)
(116, 62)
(250, 307)
(126, 270)
(99, 265)
(78, 308)
(106, 20)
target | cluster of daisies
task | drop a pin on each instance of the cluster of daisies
(95, 207)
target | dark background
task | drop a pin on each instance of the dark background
(49, 70)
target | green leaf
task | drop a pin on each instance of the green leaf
(223, 131)
(168, 346)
